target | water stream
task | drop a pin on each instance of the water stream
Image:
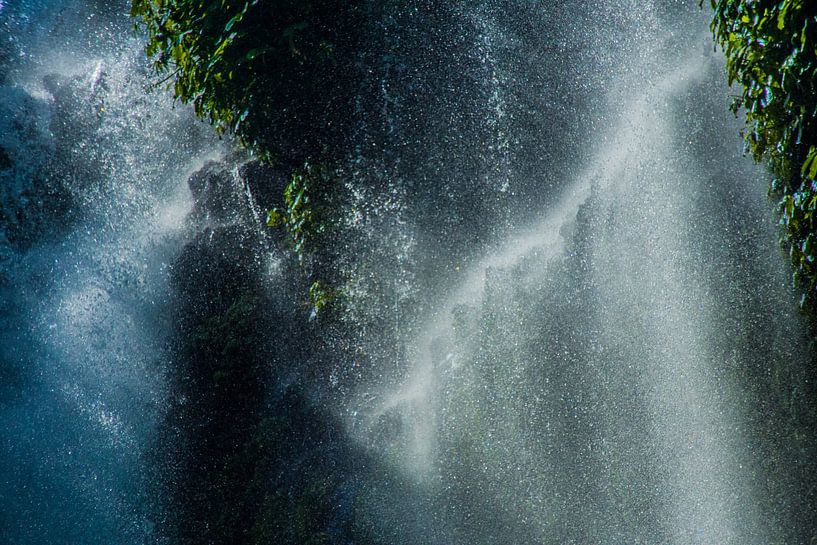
(588, 333)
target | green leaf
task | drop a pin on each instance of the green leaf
(809, 169)
(275, 218)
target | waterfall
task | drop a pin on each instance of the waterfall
(93, 207)
(567, 318)
(603, 377)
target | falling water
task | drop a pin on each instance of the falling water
(602, 377)
(93, 207)
(572, 316)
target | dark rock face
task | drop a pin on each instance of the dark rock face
(264, 183)
(46, 156)
(5, 160)
(249, 451)
(35, 200)
(216, 196)
(41, 209)
(219, 362)
(233, 343)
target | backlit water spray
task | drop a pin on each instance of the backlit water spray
(578, 380)
(590, 336)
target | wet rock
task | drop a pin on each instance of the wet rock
(35, 203)
(216, 194)
(5, 160)
(42, 210)
(265, 183)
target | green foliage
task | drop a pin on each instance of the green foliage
(771, 53)
(312, 204)
(279, 75)
(306, 210)
(264, 70)
(206, 49)
(320, 295)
